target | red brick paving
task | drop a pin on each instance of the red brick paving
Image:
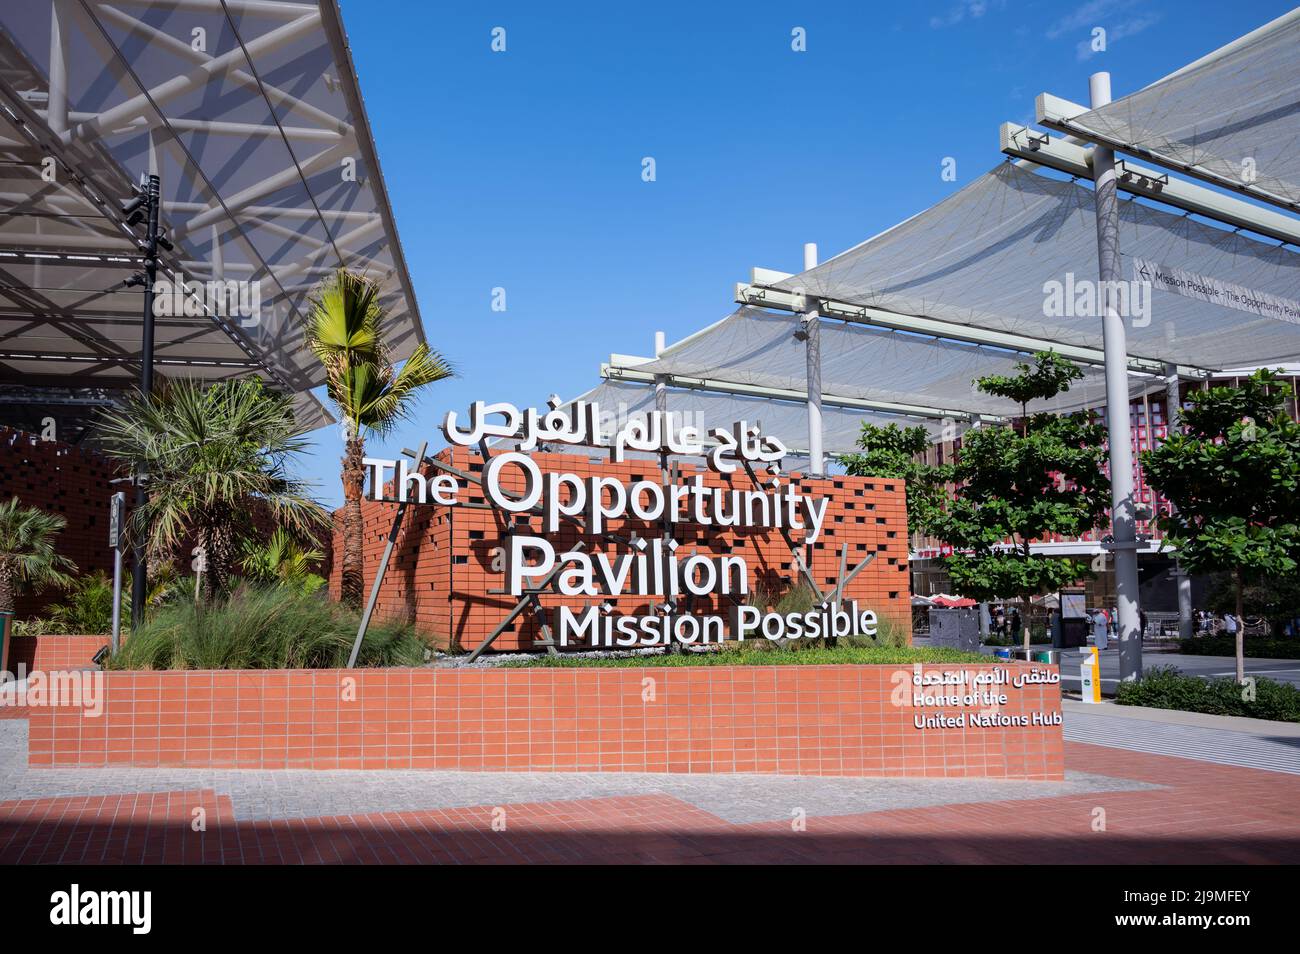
(1206, 814)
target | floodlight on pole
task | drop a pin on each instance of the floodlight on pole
(1118, 430)
(147, 201)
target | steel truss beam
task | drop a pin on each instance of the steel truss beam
(623, 368)
(1076, 160)
(760, 293)
(1062, 115)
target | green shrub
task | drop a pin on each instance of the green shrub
(1164, 687)
(264, 628)
(36, 626)
(87, 607)
(1257, 647)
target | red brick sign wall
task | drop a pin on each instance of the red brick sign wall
(805, 720)
(442, 571)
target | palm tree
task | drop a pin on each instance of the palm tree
(344, 331)
(27, 557)
(215, 458)
(284, 561)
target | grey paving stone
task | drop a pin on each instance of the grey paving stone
(740, 799)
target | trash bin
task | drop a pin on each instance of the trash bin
(1089, 673)
(1002, 652)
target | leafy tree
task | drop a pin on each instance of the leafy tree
(1050, 375)
(893, 451)
(284, 561)
(1276, 598)
(1014, 485)
(1233, 477)
(215, 457)
(344, 330)
(27, 557)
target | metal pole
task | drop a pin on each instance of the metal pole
(812, 328)
(140, 568)
(1118, 431)
(1173, 425)
(116, 514)
(383, 562)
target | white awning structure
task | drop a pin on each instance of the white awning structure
(250, 113)
(756, 347)
(1231, 118)
(621, 401)
(983, 257)
(784, 419)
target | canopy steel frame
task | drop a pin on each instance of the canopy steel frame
(623, 368)
(761, 293)
(1076, 160)
(38, 101)
(1062, 115)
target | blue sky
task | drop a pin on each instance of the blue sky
(522, 169)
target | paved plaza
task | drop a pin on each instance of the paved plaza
(1162, 787)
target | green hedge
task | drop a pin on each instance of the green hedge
(264, 628)
(1164, 687)
(1257, 647)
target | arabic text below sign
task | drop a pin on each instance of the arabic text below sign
(1215, 291)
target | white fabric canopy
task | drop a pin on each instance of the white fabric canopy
(1234, 115)
(788, 420)
(984, 256)
(757, 347)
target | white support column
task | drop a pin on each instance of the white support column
(57, 114)
(1173, 424)
(812, 329)
(1118, 431)
(661, 380)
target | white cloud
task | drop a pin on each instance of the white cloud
(1085, 17)
(974, 9)
(1122, 30)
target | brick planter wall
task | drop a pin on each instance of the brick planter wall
(51, 653)
(441, 573)
(804, 720)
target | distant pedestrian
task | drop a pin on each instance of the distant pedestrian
(1142, 624)
(1230, 624)
(1015, 626)
(1099, 629)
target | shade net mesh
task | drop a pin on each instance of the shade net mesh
(622, 401)
(983, 258)
(1236, 116)
(756, 347)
